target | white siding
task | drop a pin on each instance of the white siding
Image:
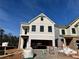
(45, 23)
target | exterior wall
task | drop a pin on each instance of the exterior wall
(77, 30)
(21, 43)
(41, 37)
(57, 33)
(69, 30)
(22, 30)
(45, 23)
(60, 31)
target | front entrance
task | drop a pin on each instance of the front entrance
(68, 41)
(25, 39)
(40, 44)
(56, 42)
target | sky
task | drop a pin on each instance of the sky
(14, 12)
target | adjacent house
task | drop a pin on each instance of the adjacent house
(70, 33)
(42, 31)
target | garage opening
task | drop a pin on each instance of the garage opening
(40, 44)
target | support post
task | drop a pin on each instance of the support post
(64, 41)
(53, 42)
(5, 50)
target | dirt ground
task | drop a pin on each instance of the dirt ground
(12, 54)
(40, 55)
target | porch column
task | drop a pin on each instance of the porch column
(74, 45)
(20, 45)
(53, 42)
(64, 41)
(59, 42)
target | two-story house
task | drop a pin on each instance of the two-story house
(42, 31)
(38, 32)
(70, 33)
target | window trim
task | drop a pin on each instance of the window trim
(33, 28)
(49, 28)
(63, 32)
(73, 31)
(41, 28)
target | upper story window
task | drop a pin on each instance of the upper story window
(73, 31)
(25, 31)
(41, 28)
(42, 18)
(63, 31)
(33, 28)
(49, 28)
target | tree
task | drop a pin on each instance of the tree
(11, 39)
(1, 33)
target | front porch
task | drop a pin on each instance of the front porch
(71, 41)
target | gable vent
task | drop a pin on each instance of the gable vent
(42, 18)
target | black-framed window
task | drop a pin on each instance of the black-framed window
(41, 28)
(73, 31)
(42, 19)
(33, 28)
(49, 28)
(63, 31)
(25, 31)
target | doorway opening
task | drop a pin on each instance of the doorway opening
(68, 41)
(25, 39)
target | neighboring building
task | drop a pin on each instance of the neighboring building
(42, 31)
(70, 33)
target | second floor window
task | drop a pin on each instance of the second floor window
(73, 31)
(49, 28)
(25, 31)
(33, 28)
(63, 31)
(41, 28)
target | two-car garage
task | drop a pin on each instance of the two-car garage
(40, 44)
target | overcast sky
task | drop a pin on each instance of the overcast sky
(13, 12)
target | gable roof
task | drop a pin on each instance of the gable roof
(43, 15)
(60, 26)
(56, 25)
(72, 22)
(68, 25)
